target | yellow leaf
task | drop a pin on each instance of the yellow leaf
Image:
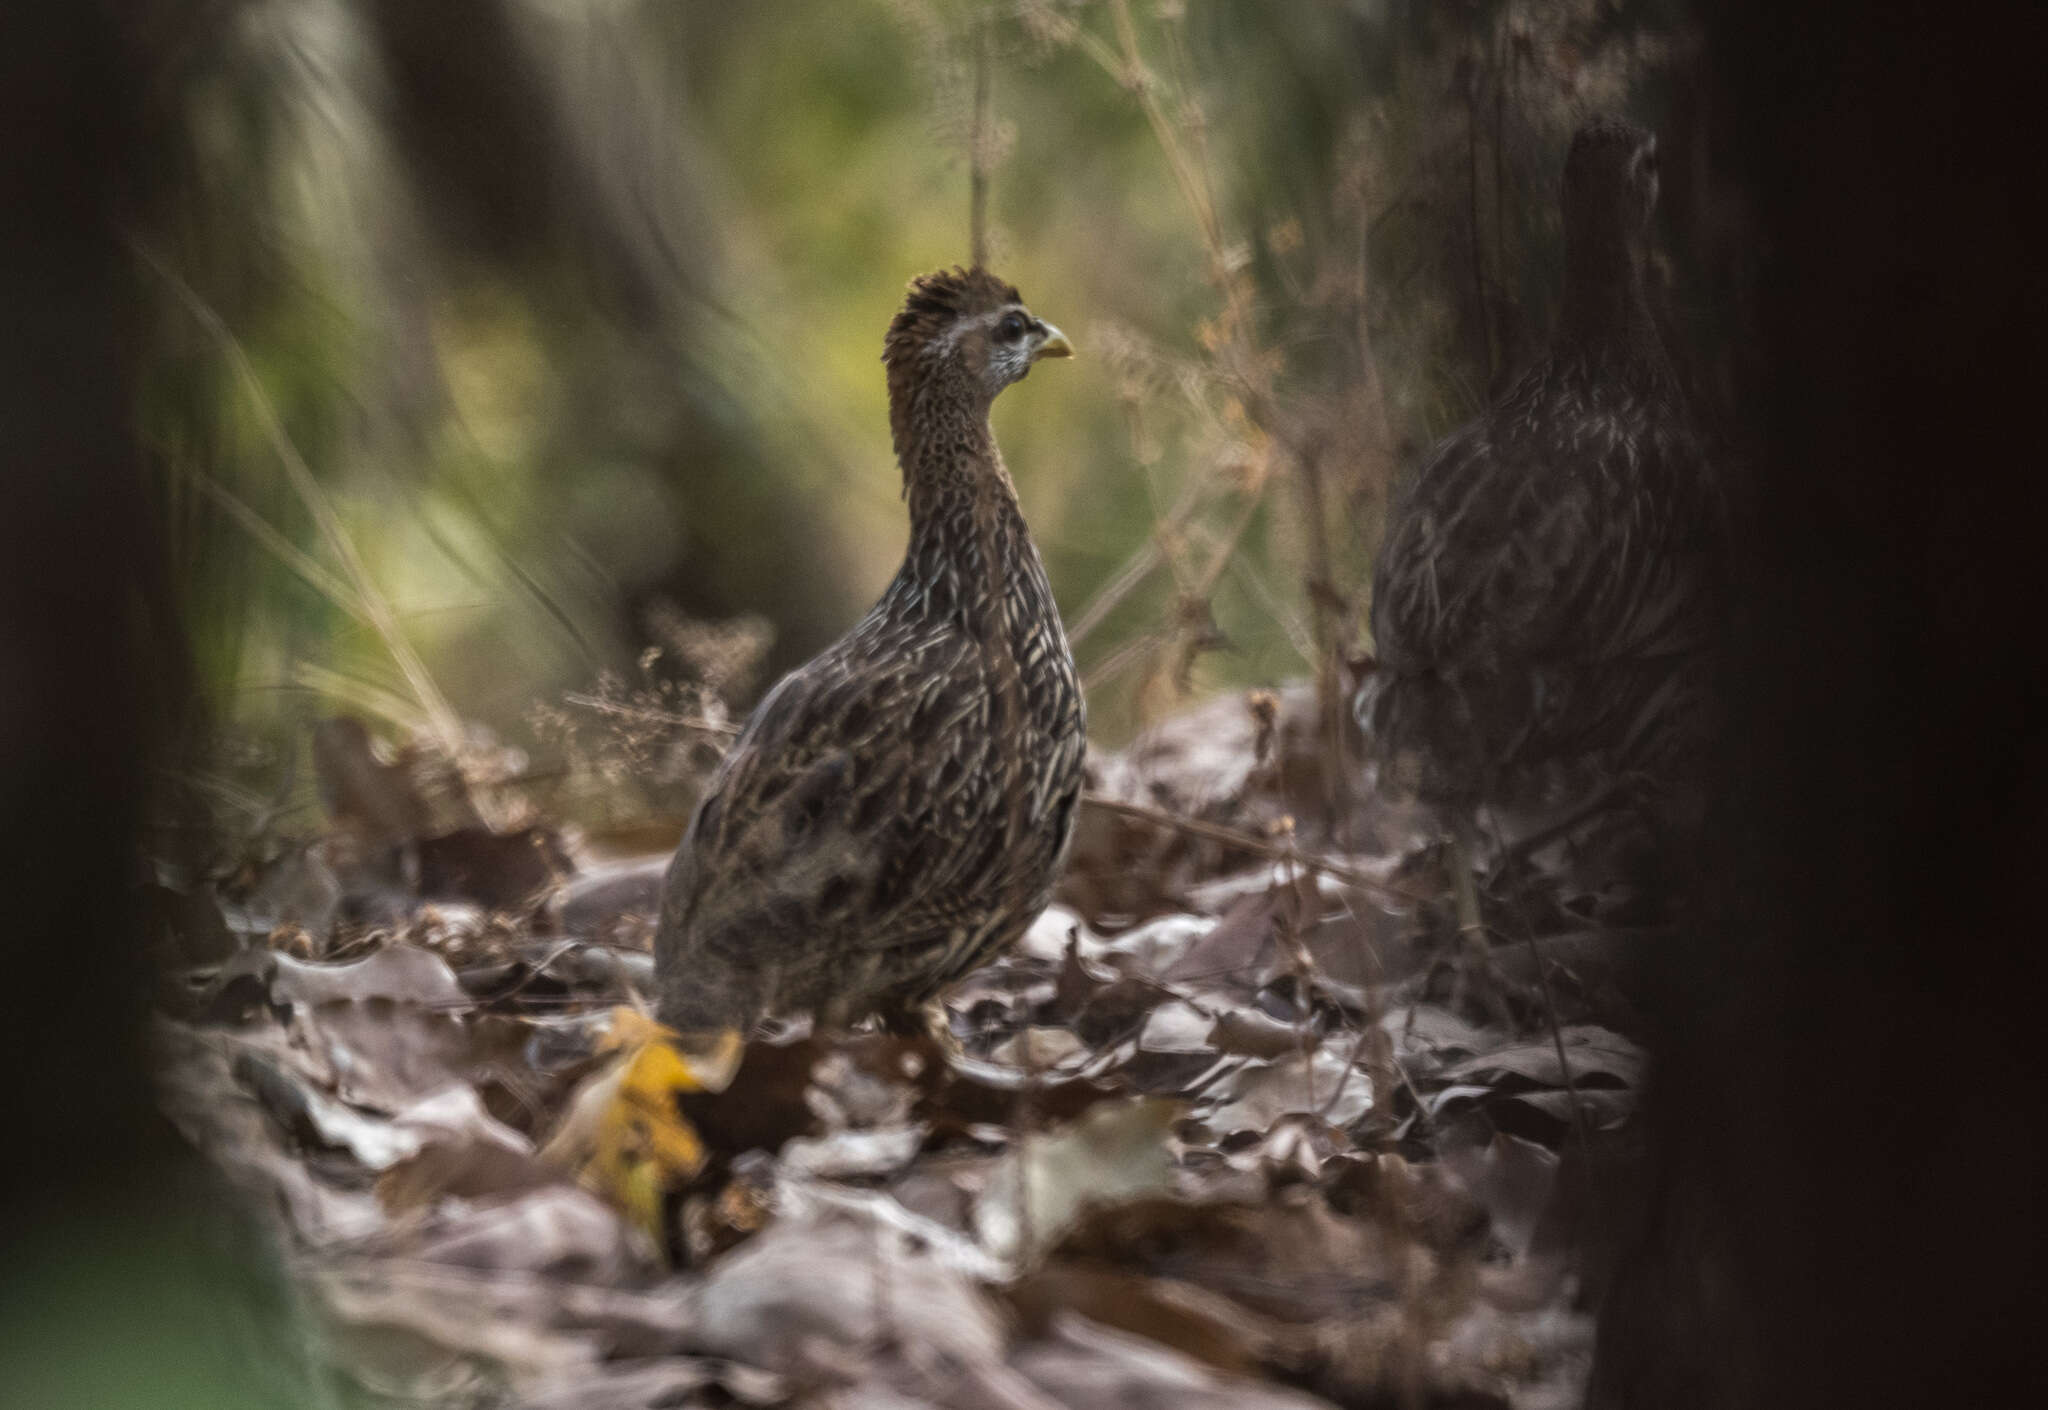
(643, 1125)
(625, 1133)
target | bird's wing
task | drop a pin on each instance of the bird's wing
(1473, 561)
(1537, 593)
(860, 794)
(1515, 551)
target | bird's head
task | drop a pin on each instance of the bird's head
(1610, 183)
(966, 332)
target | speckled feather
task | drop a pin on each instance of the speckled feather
(1542, 595)
(895, 811)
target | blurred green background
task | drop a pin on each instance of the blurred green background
(491, 329)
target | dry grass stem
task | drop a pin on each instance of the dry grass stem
(444, 723)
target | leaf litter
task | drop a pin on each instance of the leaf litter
(1223, 1128)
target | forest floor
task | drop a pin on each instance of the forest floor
(1240, 1122)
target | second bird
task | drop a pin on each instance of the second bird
(1545, 600)
(895, 811)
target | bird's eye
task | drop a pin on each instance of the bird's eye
(1011, 328)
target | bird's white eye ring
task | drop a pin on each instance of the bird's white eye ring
(1011, 328)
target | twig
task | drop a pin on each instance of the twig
(535, 971)
(1374, 1000)
(1122, 659)
(1321, 590)
(1580, 1126)
(1246, 842)
(1219, 557)
(648, 714)
(1288, 930)
(1472, 931)
(1112, 593)
(978, 142)
(1180, 129)
(1580, 1129)
(1165, 534)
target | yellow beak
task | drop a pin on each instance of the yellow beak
(1055, 345)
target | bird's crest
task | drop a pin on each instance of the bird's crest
(936, 300)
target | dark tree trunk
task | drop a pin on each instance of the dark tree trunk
(1851, 1170)
(78, 601)
(117, 1283)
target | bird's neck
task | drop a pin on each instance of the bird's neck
(969, 547)
(1605, 321)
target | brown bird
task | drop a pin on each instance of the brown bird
(895, 811)
(1543, 603)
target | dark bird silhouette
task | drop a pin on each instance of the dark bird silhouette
(1543, 601)
(895, 811)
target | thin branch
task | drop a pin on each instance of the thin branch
(1181, 134)
(1247, 842)
(1122, 660)
(1137, 568)
(1580, 1126)
(648, 714)
(979, 146)
(1140, 564)
(1220, 558)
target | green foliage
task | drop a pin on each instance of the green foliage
(1294, 243)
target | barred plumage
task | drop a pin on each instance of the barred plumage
(895, 811)
(1542, 602)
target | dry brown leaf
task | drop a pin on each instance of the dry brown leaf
(813, 1299)
(625, 1133)
(1112, 1153)
(1324, 1083)
(1086, 1366)
(1594, 1052)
